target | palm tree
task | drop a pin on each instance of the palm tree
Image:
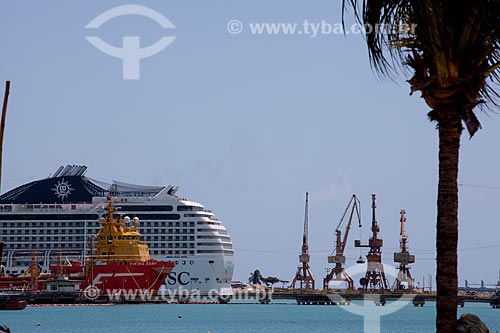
(452, 49)
(270, 280)
(255, 277)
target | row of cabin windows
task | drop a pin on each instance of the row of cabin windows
(124, 208)
(171, 252)
(154, 241)
(43, 246)
(49, 217)
(208, 230)
(171, 245)
(78, 246)
(208, 223)
(4, 208)
(47, 224)
(132, 208)
(79, 217)
(169, 238)
(89, 231)
(95, 224)
(95, 231)
(58, 206)
(167, 224)
(215, 251)
(157, 216)
(43, 239)
(153, 252)
(198, 215)
(47, 231)
(189, 209)
(166, 231)
(213, 237)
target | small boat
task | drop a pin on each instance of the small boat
(13, 304)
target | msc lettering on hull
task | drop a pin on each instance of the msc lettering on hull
(183, 278)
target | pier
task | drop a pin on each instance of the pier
(345, 298)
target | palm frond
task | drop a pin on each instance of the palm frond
(453, 48)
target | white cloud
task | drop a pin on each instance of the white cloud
(334, 190)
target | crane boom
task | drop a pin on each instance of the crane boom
(403, 221)
(355, 208)
(304, 256)
(305, 246)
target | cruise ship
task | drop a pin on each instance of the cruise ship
(57, 217)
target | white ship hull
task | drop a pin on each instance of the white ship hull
(56, 217)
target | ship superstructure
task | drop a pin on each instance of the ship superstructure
(121, 260)
(57, 216)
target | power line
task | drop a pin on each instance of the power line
(420, 251)
(479, 247)
(481, 186)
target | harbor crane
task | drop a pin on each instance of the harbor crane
(374, 278)
(403, 258)
(304, 275)
(338, 273)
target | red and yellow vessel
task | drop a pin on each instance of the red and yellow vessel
(121, 261)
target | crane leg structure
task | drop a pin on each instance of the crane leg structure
(338, 273)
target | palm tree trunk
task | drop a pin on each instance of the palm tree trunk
(450, 130)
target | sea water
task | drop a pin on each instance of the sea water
(217, 318)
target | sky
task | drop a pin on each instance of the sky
(244, 123)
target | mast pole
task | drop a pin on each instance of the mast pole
(2, 124)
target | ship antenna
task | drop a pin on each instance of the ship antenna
(110, 208)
